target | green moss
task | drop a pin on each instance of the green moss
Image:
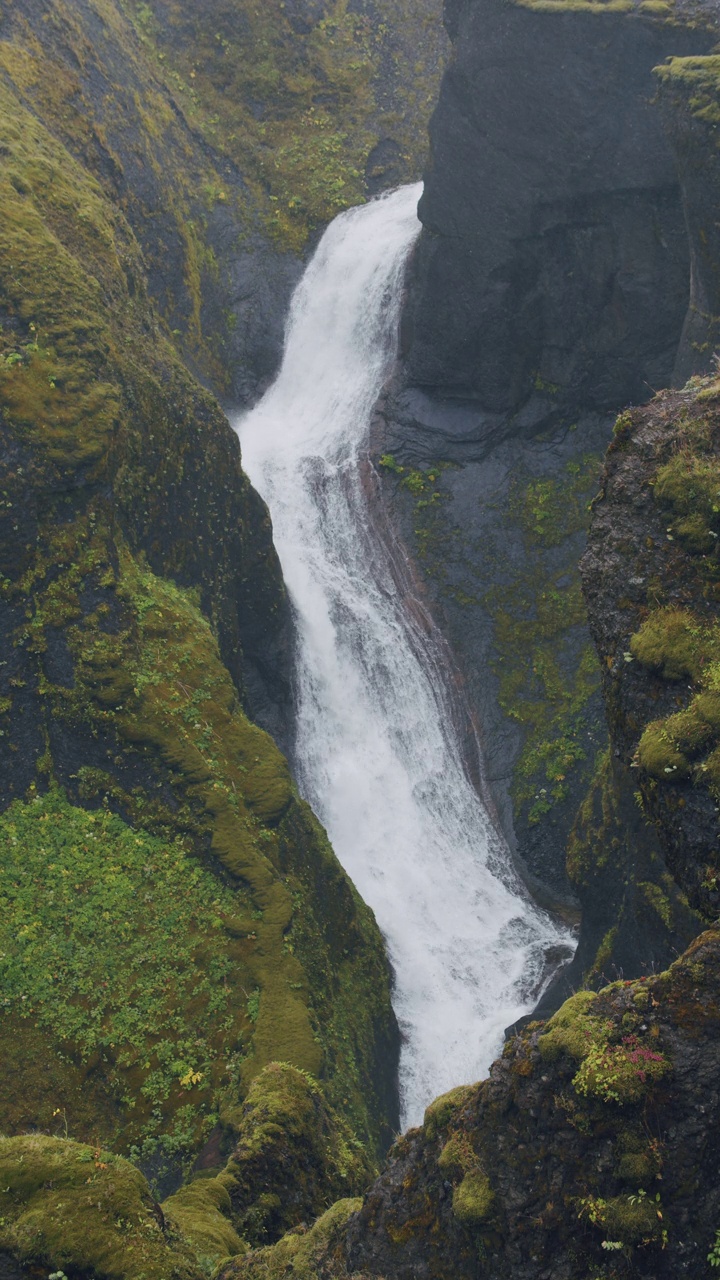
(621, 1072)
(658, 756)
(675, 643)
(457, 1156)
(245, 985)
(546, 680)
(442, 1111)
(64, 1206)
(294, 1154)
(634, 1219)
(684, 745)
(578, 6)
(301, 108)
(296, 1256)
(658, 901)
(639, 1161)
(690, 486)
(119, 452)
(473, 1200)
(550, 509)
(571, 1029)
(200, 1212)
(697, 80)
(604, 954)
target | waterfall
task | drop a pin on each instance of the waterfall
(376, 752)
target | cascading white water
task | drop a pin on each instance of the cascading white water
(376, 752)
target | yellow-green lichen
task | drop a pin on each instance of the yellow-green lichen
(473, 1199)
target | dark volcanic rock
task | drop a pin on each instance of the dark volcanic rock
(651, 573)
(589, 1151)
(690, 93)
(554, 250)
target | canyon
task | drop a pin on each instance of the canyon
(192, 980)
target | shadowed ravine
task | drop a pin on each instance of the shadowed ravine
(376, 752)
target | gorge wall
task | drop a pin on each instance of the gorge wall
(173, 920)
(551, 286)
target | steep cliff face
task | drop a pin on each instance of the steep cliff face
(173, 918)
(554, 249)
(650, 575)
(689, 92)
(550, 286)
(228, 134)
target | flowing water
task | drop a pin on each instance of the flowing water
(377, 754)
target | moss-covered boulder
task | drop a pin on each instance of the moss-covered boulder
(293, 1157)
(300, 1255)
(201, 1212)
(77, 1210)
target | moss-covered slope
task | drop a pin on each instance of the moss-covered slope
(227, 133)
(173, 917)
(317, 101)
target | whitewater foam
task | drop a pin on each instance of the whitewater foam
(377, 751)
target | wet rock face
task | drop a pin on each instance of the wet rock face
(689, 89)
(651, 577)
(554, 253)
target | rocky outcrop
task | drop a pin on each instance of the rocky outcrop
(650, 577)
(689, 93)
(588, 1151)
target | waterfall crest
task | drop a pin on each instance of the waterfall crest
(376, 751)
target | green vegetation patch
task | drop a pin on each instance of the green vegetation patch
(546, 677)
(614, 1068)
(113, 940)
(442, 1111)
(676, 643)
(697, 80)
(266, 967)
(300, 106)
(298, 1255)
(546, 681)
(65, 1206)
